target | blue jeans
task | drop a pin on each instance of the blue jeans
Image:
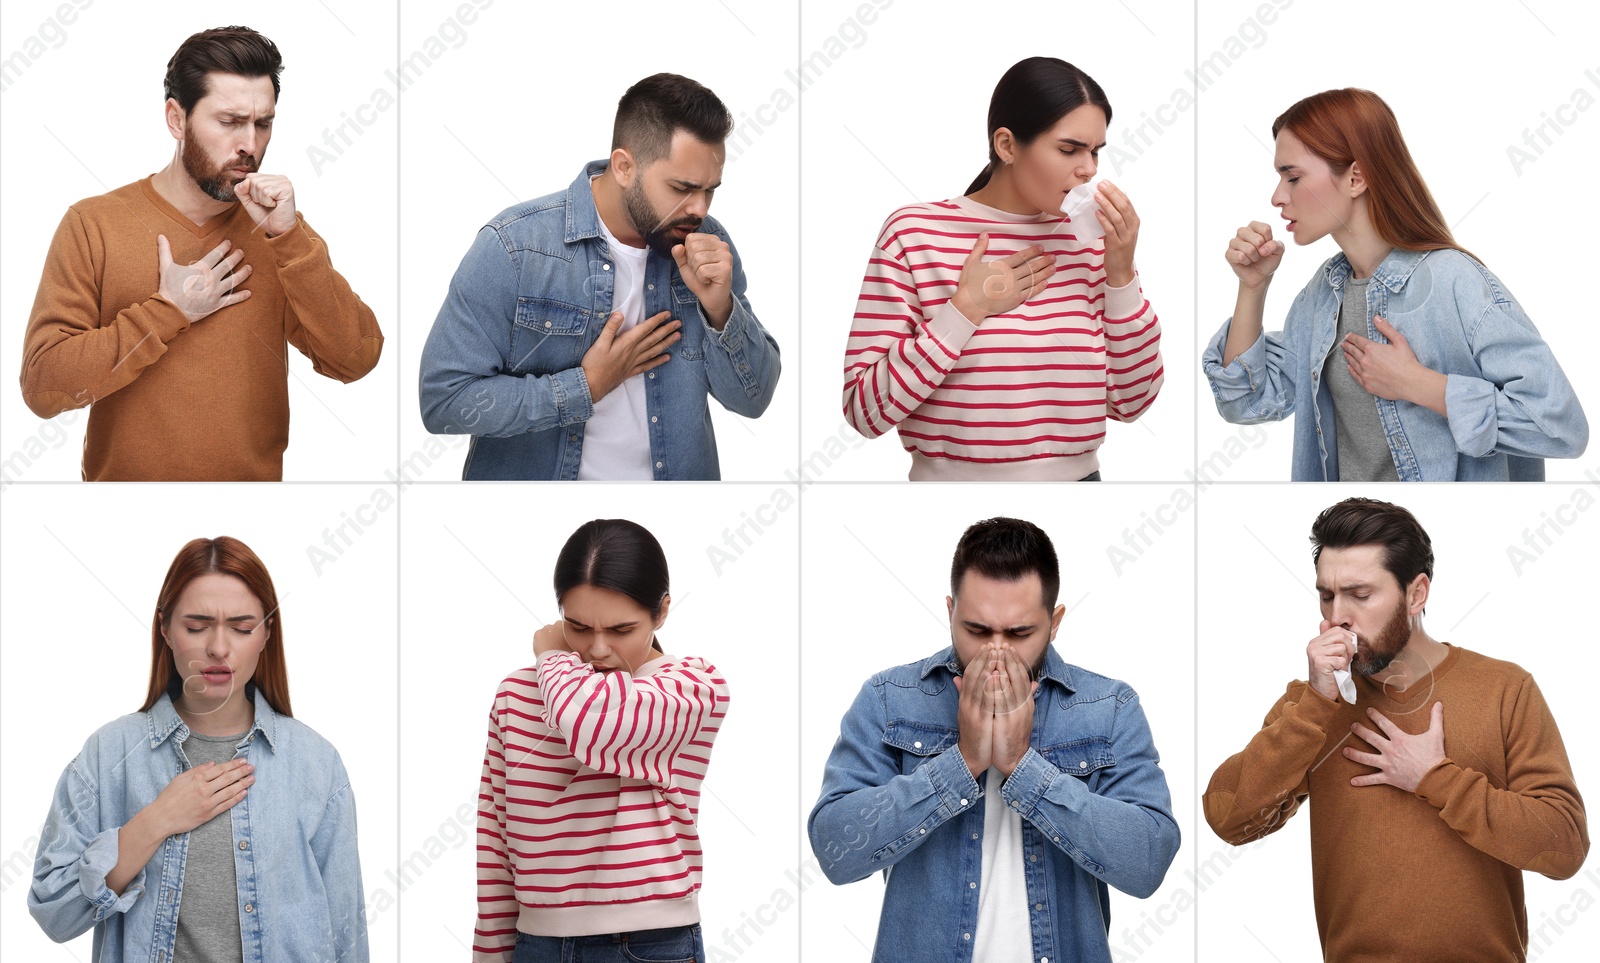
(676, 944)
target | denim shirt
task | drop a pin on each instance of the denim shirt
(294, 853)
(503, 362)
(1510, 407)
(898, 797)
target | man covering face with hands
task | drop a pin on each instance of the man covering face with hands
(585, 330)
(1443, 782)
(1004, 788)
(168, 305)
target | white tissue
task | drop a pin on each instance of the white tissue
(1079, 206)
(1347, 685)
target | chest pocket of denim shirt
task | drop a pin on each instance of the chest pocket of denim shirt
(1089, 759)
(686, 308)
(917, 742)
(548, 336)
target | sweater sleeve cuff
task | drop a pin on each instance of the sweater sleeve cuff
(292, 244)
(167, 319)
(99, 859)
(950, 327)
(1437, 784)
(1124, 303)
(1312, 705)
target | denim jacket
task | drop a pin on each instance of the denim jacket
(294, 852)
(898, 797)
(1510, 405)
(503, 362)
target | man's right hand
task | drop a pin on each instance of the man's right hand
(1326, 653)
(975, 713)
(199, 793)
(1254, 255)
(614, 358)
(205, 287)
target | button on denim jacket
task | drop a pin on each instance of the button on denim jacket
(1510, 405)
(897, 797)
(503, 362)
(294, 851)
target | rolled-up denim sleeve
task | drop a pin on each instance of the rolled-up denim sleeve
(69, 893)
(464, 387)
(742, 362)
(333, 845)
(1122, 831)
(870, 815)
(1256, 386)
(1522, 404)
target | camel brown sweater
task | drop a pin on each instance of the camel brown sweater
(174, 401)
(1424, 876)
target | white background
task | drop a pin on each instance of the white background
(478, 585)
(525, 100)
(876, 576)
(79, 593)
(901, 118)
(87, 117)
(1258, 609)
(1465, 80)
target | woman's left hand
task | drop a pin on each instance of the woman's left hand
(1121, 223)
(1392, 370)
(551, 638)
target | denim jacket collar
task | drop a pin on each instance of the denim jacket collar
(1055, 668)
(164, 720)
(583, 220)
(1392, 272)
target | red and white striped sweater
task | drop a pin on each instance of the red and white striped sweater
(589, 799)
(1024, 394)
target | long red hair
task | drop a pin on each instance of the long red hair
(220, 556)
(1351, 125)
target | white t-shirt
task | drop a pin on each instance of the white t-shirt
(616, 440)
(1003, 932)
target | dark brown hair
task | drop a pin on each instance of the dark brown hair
(1007, 550)
(1407, 550)
(1031, 98)
(223, 556)
(614, 554)
(228, 50)
(655, 108)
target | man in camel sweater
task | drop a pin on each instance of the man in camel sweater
(168, 304)
(1438, 774)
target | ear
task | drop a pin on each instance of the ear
(661, 617)
(1005, 145)
(950, 609)
(1417, 595)
(177, 120)
(623, 167)
(1358, 180)
(266, 629)
(1055, 620)
(162, 621)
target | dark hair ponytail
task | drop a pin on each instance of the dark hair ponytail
(1031, 97)
(615, 554)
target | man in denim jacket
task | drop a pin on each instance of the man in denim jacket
(584, 330)
(1004, 788)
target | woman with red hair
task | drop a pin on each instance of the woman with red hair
(210, 825)
(1404, 356)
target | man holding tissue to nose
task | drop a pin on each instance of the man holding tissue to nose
(585, 329)
(1004, 788)
(1440, 784)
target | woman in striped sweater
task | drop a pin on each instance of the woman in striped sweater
(587, 840)
(995, 334)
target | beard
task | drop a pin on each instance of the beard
(656, 230)
(1389, 642)
(218, 182)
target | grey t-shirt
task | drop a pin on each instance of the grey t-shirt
(208, 915)
(1363, 450)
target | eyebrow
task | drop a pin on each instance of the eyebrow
(244, 114)
(1347, 587)
(969, 623)
(695, 185)
(1286, 168)
(213, 618)
(1078, 143)
(619, 625)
